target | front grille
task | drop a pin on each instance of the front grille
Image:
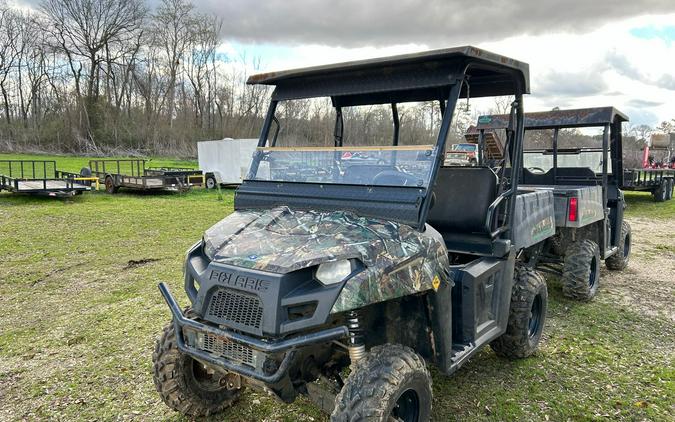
(233, 306)
(228, 349)
(224, 348)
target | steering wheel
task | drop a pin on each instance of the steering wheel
(538, 170)
(394, 178)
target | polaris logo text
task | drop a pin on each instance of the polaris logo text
(240, 281)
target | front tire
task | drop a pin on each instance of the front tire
(581, 270)
(391, 382)
(619, 261)
(184, 384)
(527, 315)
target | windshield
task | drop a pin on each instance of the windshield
(542, 161)
(374, 166)
(464, 147)
(579, 148)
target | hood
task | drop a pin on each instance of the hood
(282, 240)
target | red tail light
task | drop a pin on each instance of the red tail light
(573, 209)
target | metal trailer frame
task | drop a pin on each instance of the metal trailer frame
(22, 177)
(659, 182)
(133, 174)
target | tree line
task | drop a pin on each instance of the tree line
(99, 76)
(116, 77)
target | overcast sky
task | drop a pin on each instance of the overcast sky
(581, 52)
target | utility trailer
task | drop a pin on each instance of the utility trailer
(589, 205)
(133, 174)
(226, 161)
(659, 182)
(40, 177)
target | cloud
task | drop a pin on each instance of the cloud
(622, 65)
(570, 84)
(350, 23)
(638, 103)
(666, 81)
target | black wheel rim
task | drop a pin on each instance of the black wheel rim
(535, 317)
(407, 408)
(626, 247)
(594, 271)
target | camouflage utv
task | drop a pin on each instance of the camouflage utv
(346, 269)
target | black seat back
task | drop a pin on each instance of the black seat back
(563, 176)
(462, 198)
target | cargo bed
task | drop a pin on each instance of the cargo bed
(588, 199)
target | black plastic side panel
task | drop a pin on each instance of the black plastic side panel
(441, 307)
(401, 204)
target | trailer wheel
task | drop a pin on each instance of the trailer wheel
(669, 189)
(184, 384)
(390, 383)
(110, 185)
(660, 194)
(581, 270)
(619, 260)
(527, 314)
(211, 182)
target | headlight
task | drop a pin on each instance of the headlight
(334, 272)
(209, 249)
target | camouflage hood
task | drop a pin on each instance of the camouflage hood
(282, 240)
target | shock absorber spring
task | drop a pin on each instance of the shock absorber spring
(356, 347)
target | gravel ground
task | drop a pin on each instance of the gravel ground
(648, 284)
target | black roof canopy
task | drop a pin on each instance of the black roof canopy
(403, 78)
(581, 117)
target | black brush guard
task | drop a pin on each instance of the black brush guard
(286, 346)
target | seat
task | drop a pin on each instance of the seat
(462, 198)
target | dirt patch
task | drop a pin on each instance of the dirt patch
(131, 264)
(648, 284)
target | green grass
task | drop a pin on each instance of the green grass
(641, 204)
(78, 325)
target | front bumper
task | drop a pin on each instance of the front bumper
(286, 346)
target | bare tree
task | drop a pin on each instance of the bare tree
(9, 35)
(84, 29)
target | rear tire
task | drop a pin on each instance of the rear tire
(183, 383)
(581, 270)
(391, 382)
(527, 315)
(619, 261)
